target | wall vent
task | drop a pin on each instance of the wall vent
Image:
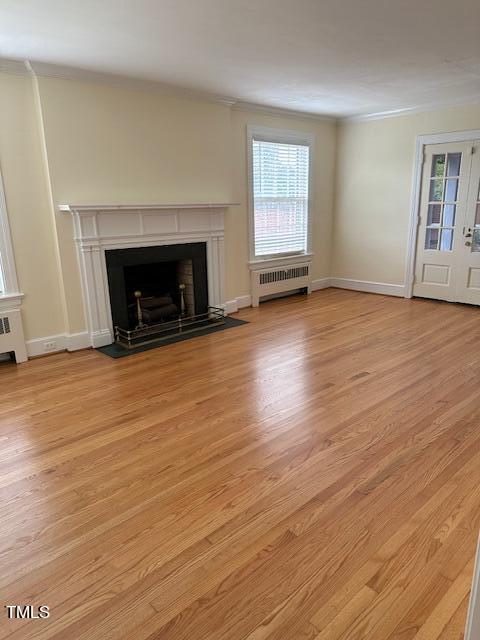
(283, 274)
(4, 325)
(11, 334)
(279, 280)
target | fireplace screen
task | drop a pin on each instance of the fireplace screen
(146, 334)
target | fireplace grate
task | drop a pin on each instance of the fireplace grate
(133, 338)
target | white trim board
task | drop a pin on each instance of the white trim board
(129, 208)
(246, 301)
(59, 342)
(320, 283)
(421, 142)
(232, 306)
(8, 272)
(472, 631)
(282, 112)
(76, 341)
(412, 110)
(48, 70)
(383, 288)
(271, 263)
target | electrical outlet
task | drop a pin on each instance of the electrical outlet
(50, 346)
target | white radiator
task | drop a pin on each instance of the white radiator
(280, 280)
(11, 334)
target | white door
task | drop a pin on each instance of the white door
(447, 263)
(468, 286)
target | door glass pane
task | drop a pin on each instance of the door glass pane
(434, 214)
(451, 190)
(436, 190)
(447, 239)
(449, 215)
(438, 166)
(476, 240)
(443, 194)
(477, 216)
(453, 164)
(431, 239)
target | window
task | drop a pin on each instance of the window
(8, 276)
(2, 281)
(280, 192)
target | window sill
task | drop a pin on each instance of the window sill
(10, 300)
(259, 263)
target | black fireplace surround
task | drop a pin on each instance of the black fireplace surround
(153, 271)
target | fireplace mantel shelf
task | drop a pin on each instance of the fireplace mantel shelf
(86, 208)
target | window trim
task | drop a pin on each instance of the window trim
(7, 262)
(286, 136)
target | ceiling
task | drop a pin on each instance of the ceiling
(336, 57)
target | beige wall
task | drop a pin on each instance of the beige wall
(106, 143)
(110, 144)
(77, 142)
(28, 206)
(373, 190)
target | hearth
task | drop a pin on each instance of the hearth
(156, 292)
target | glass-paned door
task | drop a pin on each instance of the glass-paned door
(446, 172)
(468, 287)
(448, 244)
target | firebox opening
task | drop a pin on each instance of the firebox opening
(153, 285)
(164, 291)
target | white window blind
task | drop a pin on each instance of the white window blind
(280, 197)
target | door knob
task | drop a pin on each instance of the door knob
(468, 235)
(468, 243)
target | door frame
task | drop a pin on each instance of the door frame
(420, 143)
(472, 630)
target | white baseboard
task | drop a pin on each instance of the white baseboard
(232, 306)
(76, 341)
(321, 283)
(244, 301)
(383, 288)
(101, 338)
(60, 342)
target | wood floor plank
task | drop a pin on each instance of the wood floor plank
(312, 474)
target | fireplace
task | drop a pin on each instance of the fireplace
(153, 285)
(106, 233)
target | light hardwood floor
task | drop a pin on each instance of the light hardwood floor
(313, 474)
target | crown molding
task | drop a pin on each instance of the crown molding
(407, 111)
(47, 70)
(280, 111)
(17, 67)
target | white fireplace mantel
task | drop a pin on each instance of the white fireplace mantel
(102, 227)
(85, 208)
